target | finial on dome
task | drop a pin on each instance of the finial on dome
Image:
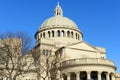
(57, 3)
(58, 10)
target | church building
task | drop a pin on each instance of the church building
(80, 60)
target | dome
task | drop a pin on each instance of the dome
(59, 28)
(58, 21)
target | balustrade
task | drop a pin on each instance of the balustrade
(87, 61)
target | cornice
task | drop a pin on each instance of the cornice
(48, 44)
(58, 28)
(83, 65)
(81, 49)
(87, 62)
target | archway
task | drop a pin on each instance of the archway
(94, 75)
(52, 33)
(83, 75)
(58, 33)
(68, 33)
(111, 76)
(72, 34)
(44, 35)
(103, 76)
(49, 34)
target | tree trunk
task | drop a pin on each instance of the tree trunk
(10, 77)
(14, 78)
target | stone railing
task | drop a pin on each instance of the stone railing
(87, 61)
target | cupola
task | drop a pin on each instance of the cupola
(59, 28)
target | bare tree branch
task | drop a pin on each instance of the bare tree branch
(12, 60)
(46, 66)
(26, 40)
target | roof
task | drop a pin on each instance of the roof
(58, 20)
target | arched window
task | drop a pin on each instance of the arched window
(94, 75)
(52, 33)
(58, 33)
(49, 34)
(103, 76)
(62, 34)
(83, 75)
(41, 35)
(111, 75)
(76, 36)
(68, 33)
(44, 35)
(72, 34)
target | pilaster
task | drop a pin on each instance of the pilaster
(68, 76)
(88, 75)
(99, 75)
(107, 76)
(78, 75)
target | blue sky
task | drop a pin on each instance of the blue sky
(99, 20)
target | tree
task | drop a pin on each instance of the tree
(47, 66)
(10, 53)
(12, 63)
(26, 40)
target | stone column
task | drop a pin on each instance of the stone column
(55, 33)
(68, 76)
(65, 33)
(107, 76)
(78, 75)
(88, 75)
(99, 75)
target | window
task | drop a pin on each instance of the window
(52, 33)
(44, 35)
(41, 35)
(72, 34)
(49, 34)
(58, 33)
(76, 35)
(68, 33)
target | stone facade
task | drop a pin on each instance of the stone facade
(81, 61)
(59, 36)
